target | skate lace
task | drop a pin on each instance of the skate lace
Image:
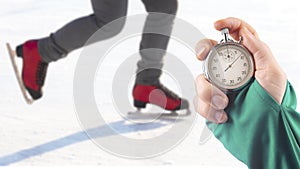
(41, 73)
(168, 92)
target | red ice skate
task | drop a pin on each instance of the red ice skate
(158, 95)
(33, 71)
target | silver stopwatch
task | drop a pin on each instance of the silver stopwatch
(229, 65)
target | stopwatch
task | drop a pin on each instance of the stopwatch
(229, 65)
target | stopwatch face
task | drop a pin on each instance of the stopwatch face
(229, 66)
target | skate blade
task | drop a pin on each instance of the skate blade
(139, 116)
(12, 56)
(180, 113)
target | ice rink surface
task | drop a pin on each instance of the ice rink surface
(48, 132)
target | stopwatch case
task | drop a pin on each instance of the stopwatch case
(235, 87)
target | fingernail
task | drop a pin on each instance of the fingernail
(219, 116)
(218, 102)
(200, 50)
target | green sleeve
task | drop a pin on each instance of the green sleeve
(260, 132)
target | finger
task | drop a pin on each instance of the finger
(259, 49)
(209, 113)
(235, 26)
(203, 47)
(210, 94)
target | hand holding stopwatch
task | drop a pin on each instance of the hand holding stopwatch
(229, 65)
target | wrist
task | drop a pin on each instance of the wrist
(274, 83)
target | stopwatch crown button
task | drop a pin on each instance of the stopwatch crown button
(225, 31)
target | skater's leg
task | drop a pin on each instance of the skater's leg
(37, 53)
(152, 50)
(75, 34)
(163, 23)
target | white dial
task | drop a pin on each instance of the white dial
(229, 66)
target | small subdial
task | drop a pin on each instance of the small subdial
(228, 56)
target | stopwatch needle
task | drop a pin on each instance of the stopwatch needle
(227, 68)
(227, 52)
(232, 63)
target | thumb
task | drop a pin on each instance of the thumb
(267, 71)
(260, 51)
